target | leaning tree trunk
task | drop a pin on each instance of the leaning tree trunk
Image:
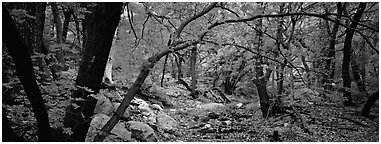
(24, 68)
(369, 103)
(148, 65)
(31, 30)
(347, 55)
(100, 30)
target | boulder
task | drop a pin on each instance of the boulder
(118, 133)
(141, 131)
(211, 106)
(156, 107)
(166, 122)
(138, 101)
(104, 106)
(253, 106)
(145, 108)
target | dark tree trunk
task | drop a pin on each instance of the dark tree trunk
(369, 103)
(31, 30)
(59, 55)
(260, 79)
(280, 78)
(67, 15)
(84, 23)
(263, 96)
(347, 55)
(329, 63)
(57, 22)
(179, 67)
(79, 31)
(357, 76)
(165, 65)
(100, 31)
(193, 71)
(19, 52)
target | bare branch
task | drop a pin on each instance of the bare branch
(132, 26)
(187, 21)
(323, 16)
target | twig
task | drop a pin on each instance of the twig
(355, 121)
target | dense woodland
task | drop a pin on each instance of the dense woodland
(221, 71)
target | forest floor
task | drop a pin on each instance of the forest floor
(316, 121)
(309, 118)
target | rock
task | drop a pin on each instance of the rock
(253, 106)
(126, 113)
(138, 101)
(145, 108)
(150, 118)
(104, 106)
(239, 105)
(118, 133)
(211, 106)
(166, 122)
(156, 107)
(141, 131)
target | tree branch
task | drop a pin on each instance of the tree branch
(187, 21)
(323, 16)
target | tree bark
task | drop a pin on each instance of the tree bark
(100, 30)
(179, 66)
(57, 22)
(329, 63)
(193, 71)
(357, 76)
(19, 52)
(347, 55)
(67, 15)
(164, 67)
(369, 103)
(31, 30)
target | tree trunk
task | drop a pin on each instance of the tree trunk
(19, 52)
(369, 103)
(79, 31)
(67, 15)
(108, 71)
(57, 22)
(164, 67)
(357, 76)
(280, 78)
(179, 67)
(329, 63)
(193, 71)
(347, 55)
(31, 30)
(100, 30)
